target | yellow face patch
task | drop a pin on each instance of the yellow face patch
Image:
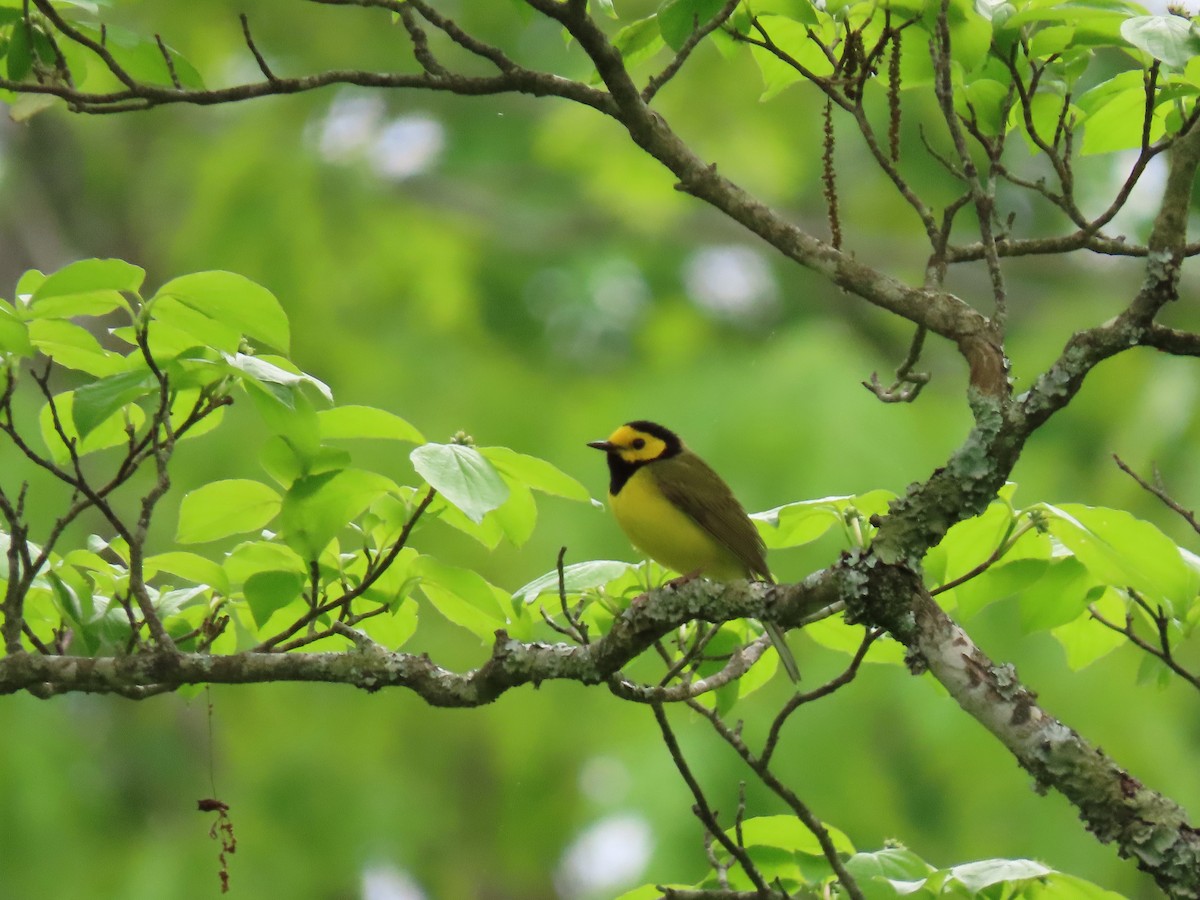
(636, 446)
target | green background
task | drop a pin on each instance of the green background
(528, 283)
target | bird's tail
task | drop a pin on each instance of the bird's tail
(781, 647)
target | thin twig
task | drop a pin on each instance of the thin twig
(702, 809)
(983, 194)
(578, 628)
(798, 700)
(258, 57)
(420, 42)
(739, 664)
(784, 793)
(1162, 653)
(656, 83)
(166, 55)
(452, 30)
(908, 384)
(1159, 491)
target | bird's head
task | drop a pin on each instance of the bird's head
(640, 442)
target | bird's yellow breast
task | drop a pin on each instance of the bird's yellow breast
(667, 535)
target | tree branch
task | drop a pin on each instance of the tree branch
(1115, 806)
(512, 663)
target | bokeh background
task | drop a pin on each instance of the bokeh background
(514, 268)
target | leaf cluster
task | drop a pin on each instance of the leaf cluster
(319, 538)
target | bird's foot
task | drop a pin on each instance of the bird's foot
(683, 579)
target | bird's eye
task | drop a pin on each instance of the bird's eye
(638, 444)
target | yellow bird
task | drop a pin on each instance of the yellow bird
(678, 511)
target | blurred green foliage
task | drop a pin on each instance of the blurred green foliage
(515, 268)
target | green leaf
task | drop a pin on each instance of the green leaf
(968, 544)
(170, 603)
(234, 301)
(487, 531)
(638, 41)
(535, 473)
(970, 40)
(280, 461)
(96, 402)
(394, 629)
(462, 476)
(995, 11)
(1123, 551)
(290, 415)
(1118, 123)
(317, 507)
(795, 524)
(141, 58)
(76, 603)
(1168, 38)
(1086, 641)
(788, 833)
(268, 592)
(19, 59)
(28, 283)
(222, 508)
(998, 583)
(577, 578)
(800, 10)
(463, 597)
(75, 348)
(353, 422)
(1131, 81)
(835, 634)
(283, 463)
(976, 876)
(891, 864)
(181, 326)
(190, 566)
(678, 19)
(517, 515)
(261, 556)
(1048, 41)
(14, 333)
(1073, 11)
(1058, 597)
(267, 373)
(89, 287)
(651, 891)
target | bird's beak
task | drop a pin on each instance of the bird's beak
(602, 445)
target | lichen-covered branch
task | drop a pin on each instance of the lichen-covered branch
(512, 663)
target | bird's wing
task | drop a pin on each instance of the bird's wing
(693, 487)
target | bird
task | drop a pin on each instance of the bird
(678, 511)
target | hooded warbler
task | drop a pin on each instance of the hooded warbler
(678, 511)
